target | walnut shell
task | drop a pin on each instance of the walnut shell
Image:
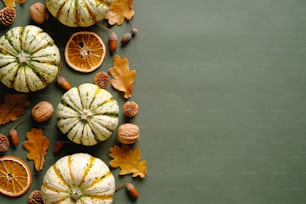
(42, 111)
(128, 133)
(39, 12)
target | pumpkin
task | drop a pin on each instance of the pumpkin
(78, 178)
(78, 13)
(87, 114)
(29, 59)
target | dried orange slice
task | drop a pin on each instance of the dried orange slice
(84, 51)
(15, 176)
(9, 3)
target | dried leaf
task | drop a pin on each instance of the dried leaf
(37, 145)
(13, 106)
(128, 160)
(119, 11)
(123, 78)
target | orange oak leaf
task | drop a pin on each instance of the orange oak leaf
(120, 10)
(37, 145)
(128, 160)
(14, 105)
(123, 77)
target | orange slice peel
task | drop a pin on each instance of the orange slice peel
(15, 176)
(84, 51)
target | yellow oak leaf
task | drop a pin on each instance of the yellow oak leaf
(13, 106)
(37, 145)
(123, 77)
(120, 10)
(129, 160)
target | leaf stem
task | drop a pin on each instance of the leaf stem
(121, 186)
(105, 27)
(18, 123)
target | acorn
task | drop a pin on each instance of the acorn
(113, 42)
(63, 82)
(130, 189)
(113, 39)
(126, 38)
(7, 16)
(134, 31)
(13, 134)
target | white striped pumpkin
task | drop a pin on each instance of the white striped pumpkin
(87, 114)
(29, 59)
(78, 178)
(78, 13)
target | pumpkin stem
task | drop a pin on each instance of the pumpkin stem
(85, 115)
(75, 194)
(23, 58)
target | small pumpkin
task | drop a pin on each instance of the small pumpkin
(78, 178)
(78, 13)
(29, 59)
(87, 114)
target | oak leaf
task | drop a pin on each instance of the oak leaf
(120, 10)
(128, 160)
(123, 77)
(37, 145)
(14, 105)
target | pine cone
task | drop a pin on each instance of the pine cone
(7, 16)
(35, 197)
(4, 143)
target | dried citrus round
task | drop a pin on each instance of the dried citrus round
(84, 51)
(15, 176)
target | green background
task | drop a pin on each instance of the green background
(222, 94)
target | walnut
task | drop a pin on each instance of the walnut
(35, 197)
(42, 111)
(4, 143)
(128, 133)
(130, 108)
(39, 12)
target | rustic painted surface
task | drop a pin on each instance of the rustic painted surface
(221, 89)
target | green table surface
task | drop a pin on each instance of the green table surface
(221, 88)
